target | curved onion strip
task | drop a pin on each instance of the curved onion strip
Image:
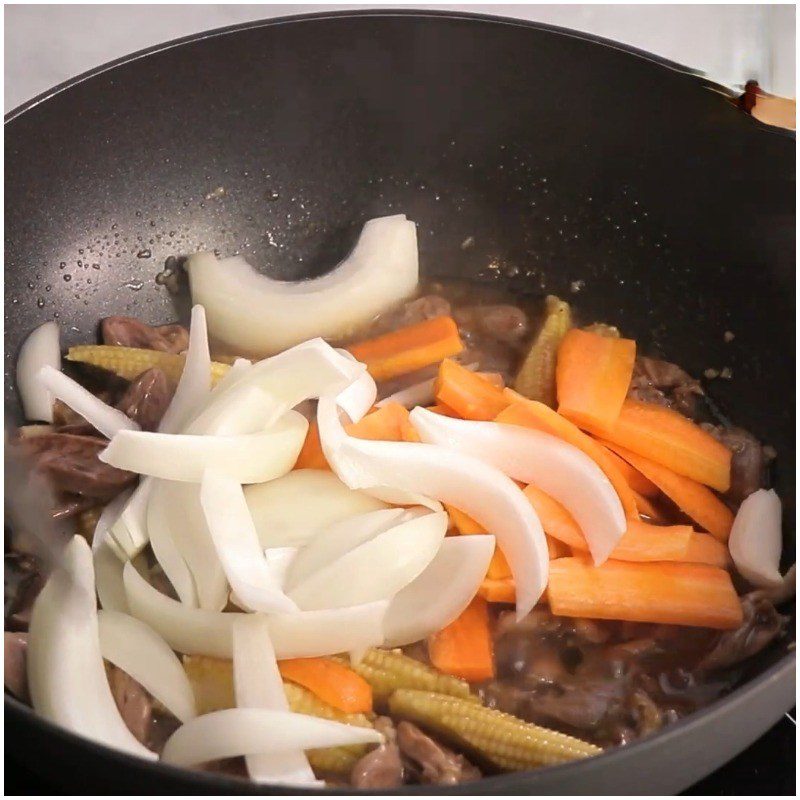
(755, 542)
(258, 684)
(278, 560)
(246, 731)
(376, 569)
(466, 482)
(108, 578)
(293, 508)
(256, 314)
(304, 634)
(140, 652)
(237, 546)
(130, 529)
(164, 548)
(423, 608)
(195, 382)
(557, 468)
(249, 458)
(338, 539)
(108, 517)
(41, 348)
(66, 676)
(108, 420)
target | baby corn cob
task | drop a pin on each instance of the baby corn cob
(388, 670)
(537, 376)
(129, 362)
(505, 741)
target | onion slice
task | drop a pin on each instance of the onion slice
(755, 542)
(129, 531)
(557, 468)
(140, 652)
(464, 481)
(66, 676)
(236, 542)
(248, 458)
(108, 578)
(41, 348)
(108, 420)
(258, 684)
(422, 607)
(247, 731)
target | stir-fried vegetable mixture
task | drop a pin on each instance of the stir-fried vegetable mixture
(378, 536)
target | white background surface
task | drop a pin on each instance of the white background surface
(45, 44)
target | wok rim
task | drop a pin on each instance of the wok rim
(779, 672)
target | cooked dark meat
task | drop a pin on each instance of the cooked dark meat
(411, 312)
(381, 768)
(748, 464)
(22, 581)
(146, 399)
(436, 764)
(130, 332)
(503, 323)
(761, 625)
(665, 384)
(15, 677)
(133, 702)
(72, 465)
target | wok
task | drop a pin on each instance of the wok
(572, 163)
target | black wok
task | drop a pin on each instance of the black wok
(565, 158)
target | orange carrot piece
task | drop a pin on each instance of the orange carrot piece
(532, 414)
(593, 373)
(462, 522)
(408, 349)
(669, 593)
(442, 409)
(557, 522)
(705, 549)
(638, 483)
(667, 438)
(498, 591)
(555, 548)
(694, 499)
(498, 566)
(333, 682)
(311, 455)
(385, 423)
(470, 395)
(646, 507)
(464, 647)
(495, 378)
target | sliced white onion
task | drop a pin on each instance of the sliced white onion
(304, 634)
(140, 652)
(557, 468)
(108, 567)
(129, 531)
(756, 539)
(249, 458)
(195, 382)
(108, 420)
(237, 546)
(279, 559)
(41, 348)
(376, 569)
(246, 731)
(293, 508)
(108, 517)
(424, 607)
(464, 481)
(66, 676)
(255, 314)
(258, 684)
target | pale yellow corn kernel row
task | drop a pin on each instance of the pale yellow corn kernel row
(505, 741)
(130, 362)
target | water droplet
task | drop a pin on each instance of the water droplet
(144, 254)
(95, 266)
(30, 284)
(68, 277)
(134, 286)
(272, 195)
(62, 265)
(48, 287)
(40, 302)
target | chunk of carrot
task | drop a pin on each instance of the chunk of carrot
(333, 682)
(638, 483)
(695, 500)
(556, 548)
(667, 438)
(464, 648)
(498, 591)
(669, 593)
(647, 508)
(593, 373)
(705, 549)
(387, 423)
(442, 409)
(311, 455)
(467, 393)
(408, 349)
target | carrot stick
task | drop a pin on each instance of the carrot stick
(442, 409)
(464, 647)
(593, 373)
(470, 395)
(694, 499)
(334, 683)
(646, 507)
(311, 455)
(670, 593)
(532, 414)
(465, 525)
(668, 438)
(498, 566)
(555, 549)
(705, 549)
(495, 378)
(638, 483)
(386, 423)
(556, 520)
(498, 591)
(408, 349)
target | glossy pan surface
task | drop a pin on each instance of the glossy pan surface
(531, 156)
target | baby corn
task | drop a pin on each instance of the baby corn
(505, 741)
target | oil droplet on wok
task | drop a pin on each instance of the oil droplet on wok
(134, 286)
(40, 302)
(144, 254)
(273, 195)
(68, 277)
